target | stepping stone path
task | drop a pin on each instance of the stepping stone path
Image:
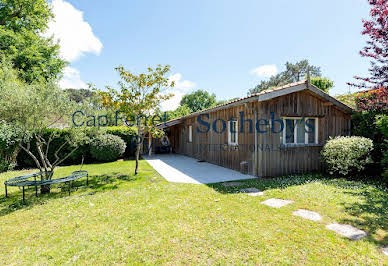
(385, 250)
(276, 203)
(252, 191)
(232, 184)
(347, 231)
(310, 215)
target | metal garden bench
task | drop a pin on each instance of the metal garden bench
(23, 181)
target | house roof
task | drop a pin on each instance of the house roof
(268, 95)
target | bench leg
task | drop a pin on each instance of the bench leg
(69, 187)
(24, 196)
(87, 180)
(6, 191)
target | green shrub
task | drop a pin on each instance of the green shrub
(345, 155)
(382, 124)
(107, 147)
(10, 137)
(128, 134)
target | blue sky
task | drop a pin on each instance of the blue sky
(211, 45)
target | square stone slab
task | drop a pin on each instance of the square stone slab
(385, 250)
(232, 184)
(347, 231)
(276, 203)
(252, 191)
(309, 215)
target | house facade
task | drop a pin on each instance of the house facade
(272, 133)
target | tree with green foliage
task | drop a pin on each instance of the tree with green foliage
(89, 102)
(80, 95)
(18, 15)
(178, 112)
(294, 72)
(322, 83)
(198, 100)
(22, 24)
(32, 109)
(349, 99)
(139, 96)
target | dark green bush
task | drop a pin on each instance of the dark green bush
(382, 124)
(25, 161)
(107, 147)
(10, 138)
(364, 125)
(346, 155)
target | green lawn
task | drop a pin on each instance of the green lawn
(120, 218)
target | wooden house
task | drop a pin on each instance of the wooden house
(271, 133)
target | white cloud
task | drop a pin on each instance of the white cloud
(180, 88)
(75, 35)
(182, 85)
(71, 79)
(265, 71)
(76, 38)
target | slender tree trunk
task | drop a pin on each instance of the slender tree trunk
(138, 143)
(137, 152)
(149, 145)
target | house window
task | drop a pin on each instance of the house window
(300, 130)
(233, 132)
(190, 133)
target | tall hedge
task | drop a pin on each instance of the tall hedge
(382, 124)
(126, 133)
(364, 125)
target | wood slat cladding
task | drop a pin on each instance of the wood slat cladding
(273, 159)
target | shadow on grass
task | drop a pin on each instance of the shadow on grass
(369, 212)
(266, 183)
(97, 183)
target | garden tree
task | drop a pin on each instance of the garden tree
(139, 96)
(373, 101)
(372, 104)
(90, 103)
(198, 100)
(182, 110)
(349, 99)
(22, 24)
(376, 28)
(223, 101)
(18, 15)
(80, 95)
(296, 72)
(32, 109)
(322, 83)
(293, 73)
